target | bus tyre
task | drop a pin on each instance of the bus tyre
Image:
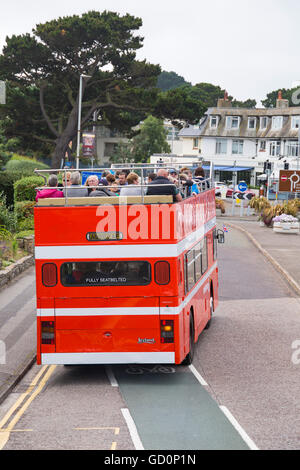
(211, 304)
(190, 356)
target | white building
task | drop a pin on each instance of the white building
(246, 138)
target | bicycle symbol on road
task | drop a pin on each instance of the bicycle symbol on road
(139, 370)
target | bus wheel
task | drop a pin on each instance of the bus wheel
(211, 304)
(190, 356)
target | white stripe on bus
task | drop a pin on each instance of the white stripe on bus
(109, 358)
(163, 311)
(151, 250)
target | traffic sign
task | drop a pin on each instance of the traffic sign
(243, 187)
(289, 181)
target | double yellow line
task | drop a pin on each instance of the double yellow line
(17, 411)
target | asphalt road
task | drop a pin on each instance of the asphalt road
(245, 359)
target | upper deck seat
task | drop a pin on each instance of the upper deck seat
(97, 201)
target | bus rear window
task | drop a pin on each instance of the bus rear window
(106, 273)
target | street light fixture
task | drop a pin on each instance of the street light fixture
(79, 117)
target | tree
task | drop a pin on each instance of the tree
(45, 68)
(170, 80)
(249, 104)
(122, 153)
(188, 103)
(291, 94)
(150, 140)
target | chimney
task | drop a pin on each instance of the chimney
(224, 102)
(280, 102)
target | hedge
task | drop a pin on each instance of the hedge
(25, 188)
(24, 165)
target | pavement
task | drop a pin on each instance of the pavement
(281, 249)
(17, 301)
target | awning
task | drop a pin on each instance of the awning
(229, 168)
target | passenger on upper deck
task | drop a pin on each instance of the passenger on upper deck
(75, 190)
(92, 183)
(131, 189)
(200, 178)
(50, 192)
(122, 178)
(162, 180)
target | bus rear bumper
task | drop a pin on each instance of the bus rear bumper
(108, 358)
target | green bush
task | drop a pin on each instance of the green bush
(24, 209)
(24, 165)
(26, 224)
(8, 218)
(7, 187)
(24, 234)
(25, 188)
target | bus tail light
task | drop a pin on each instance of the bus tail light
(49, 274)
(48, 332)
(162, 272)
(167, 331)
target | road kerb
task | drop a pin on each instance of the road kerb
(270, 258)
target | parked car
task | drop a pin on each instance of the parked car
(220, 187)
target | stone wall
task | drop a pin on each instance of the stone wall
(9, 273)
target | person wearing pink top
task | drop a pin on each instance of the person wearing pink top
(52, 191)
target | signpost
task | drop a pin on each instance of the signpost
(242, 187)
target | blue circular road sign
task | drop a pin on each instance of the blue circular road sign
(243, 187)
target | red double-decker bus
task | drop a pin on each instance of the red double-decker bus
(124, 280)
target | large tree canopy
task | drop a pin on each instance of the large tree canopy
(43, 70)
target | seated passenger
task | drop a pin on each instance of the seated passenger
(75, 190)
(52, 191)
(92, 183)
(151, 177)
(131, 189)
(101, 191)
(162, 180)
(200, 178)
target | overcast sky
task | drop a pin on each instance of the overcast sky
(249, 47)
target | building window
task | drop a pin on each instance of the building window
(251, 123)
(262, 146)
(237, 147)
(295, 122)
(276, 122)
(232, 122)
(275, 148)
(195, 143)
(292, 149)
(263, 123)
(221, 146)
(214, 122)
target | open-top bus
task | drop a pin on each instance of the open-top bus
(124, 280)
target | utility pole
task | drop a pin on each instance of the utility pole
(79, 117)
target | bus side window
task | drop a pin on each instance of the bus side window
(215, 243)
(204, 256)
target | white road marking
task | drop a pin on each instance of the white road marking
(198, 376)
(132, 429)
(111, 376)
(239, 428)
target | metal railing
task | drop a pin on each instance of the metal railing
(141, 170)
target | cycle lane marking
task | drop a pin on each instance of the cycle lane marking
(207, 419)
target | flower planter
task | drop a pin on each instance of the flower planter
(286, 227)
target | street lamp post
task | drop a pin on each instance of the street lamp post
(79, 118)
